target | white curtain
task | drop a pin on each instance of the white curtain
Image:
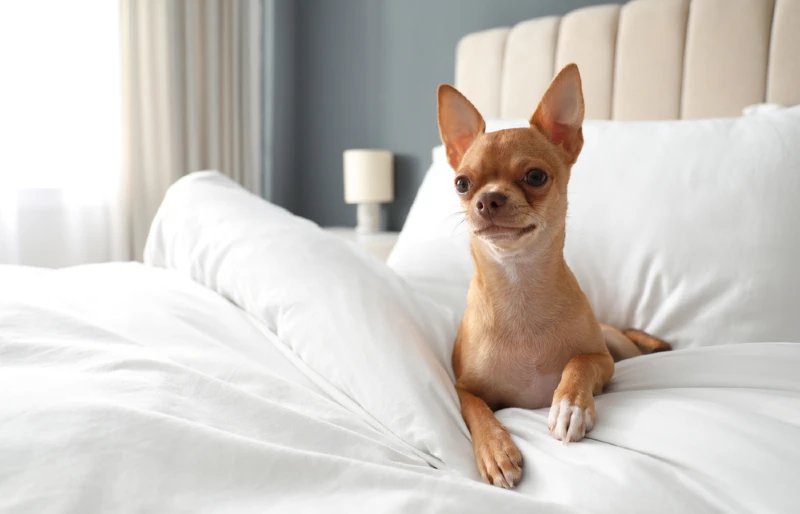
(60, 140)
(104, 104)
(192, 97)
(57, 227)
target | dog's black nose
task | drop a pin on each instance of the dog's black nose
(489, 203)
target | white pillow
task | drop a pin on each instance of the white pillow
(353, 326)
(756, 109)
(432, 251)
(689, 230)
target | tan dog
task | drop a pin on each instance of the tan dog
(529, 337)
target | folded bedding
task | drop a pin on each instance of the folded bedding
(257, 363)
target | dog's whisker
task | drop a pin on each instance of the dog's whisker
(457, 213)
(457, 226)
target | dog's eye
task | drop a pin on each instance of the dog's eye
(462, 184)
(535, 177)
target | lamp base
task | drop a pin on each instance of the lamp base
(368, 218)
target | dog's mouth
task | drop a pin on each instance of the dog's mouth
(501, 232)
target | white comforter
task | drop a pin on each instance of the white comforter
(276, 368)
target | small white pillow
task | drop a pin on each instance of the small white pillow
(689, 230)
(756, 109)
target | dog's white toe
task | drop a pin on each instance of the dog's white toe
(568, 422)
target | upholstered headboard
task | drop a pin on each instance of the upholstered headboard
(647, 59)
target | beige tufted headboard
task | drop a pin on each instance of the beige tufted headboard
(647, 59)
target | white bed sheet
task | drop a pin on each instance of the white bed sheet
(127, 388)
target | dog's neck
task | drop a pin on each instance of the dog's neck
(527, 278)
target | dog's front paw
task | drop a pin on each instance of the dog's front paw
(571, 416)
(499, 461)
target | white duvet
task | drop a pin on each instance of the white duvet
(274, 367)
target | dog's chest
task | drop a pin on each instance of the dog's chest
(516, 370)
(515, 344)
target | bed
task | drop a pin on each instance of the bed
(255, 362)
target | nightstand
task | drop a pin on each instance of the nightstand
(379, 244)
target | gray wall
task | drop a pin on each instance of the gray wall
(363, 74)
(280, 69)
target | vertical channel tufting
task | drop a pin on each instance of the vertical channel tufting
(651, 59)
(649, 62)
(727, 47)
(588, 37)
(479, 69)
(528, 66)
(783, 76)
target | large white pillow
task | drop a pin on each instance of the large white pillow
(432, 251)
(346, 320)
(687, 229)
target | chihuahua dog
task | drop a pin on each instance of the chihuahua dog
(528, 337)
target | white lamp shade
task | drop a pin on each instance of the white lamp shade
(368, 176)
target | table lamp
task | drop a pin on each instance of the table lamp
(368, 182)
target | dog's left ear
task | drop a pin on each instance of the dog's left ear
(459, 123)
(560, 113)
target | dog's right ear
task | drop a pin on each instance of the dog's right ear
(459, 123)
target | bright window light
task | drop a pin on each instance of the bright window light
(60, 95)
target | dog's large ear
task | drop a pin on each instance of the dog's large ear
(459, 123)
(560, 113)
